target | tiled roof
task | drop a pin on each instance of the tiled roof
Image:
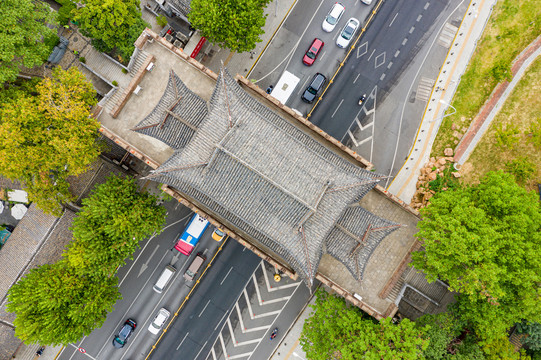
(176, 117)
(272, 180)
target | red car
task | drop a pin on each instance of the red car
(312, 52)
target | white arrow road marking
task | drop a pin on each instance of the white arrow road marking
(144, 266)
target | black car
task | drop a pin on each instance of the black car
(124, 333)
(315, 85)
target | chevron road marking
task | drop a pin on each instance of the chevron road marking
(223, 344)
(213, 353)
(271, 289)
(240, 355)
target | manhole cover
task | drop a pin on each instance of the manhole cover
(75, 38)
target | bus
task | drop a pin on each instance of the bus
(191, 235)
(285, 87)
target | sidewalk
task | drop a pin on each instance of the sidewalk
(458, 57)
(240, 63)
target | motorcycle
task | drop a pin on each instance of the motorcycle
(40, 351)
(362, 99)
(274, 333)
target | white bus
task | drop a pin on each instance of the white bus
(285, 87)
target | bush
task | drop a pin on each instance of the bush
(161, 20)
(51, 41)
(82, 59)
(522, 168)
(444, 181)
(534, 136)
(64, 13)
(506, 136)
(115, 83)
(124, 71)
(533, 340)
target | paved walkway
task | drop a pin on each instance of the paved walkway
(458, 57)
(495, 102)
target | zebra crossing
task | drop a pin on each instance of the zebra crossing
(253, 315)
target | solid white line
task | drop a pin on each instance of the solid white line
(370, 57)
(322, 55)
(354, 81)
(184, 338)
(202, 311)
(341, 101)
(373, 129)
(220, 322)
(240, 355)
(213, 353)
(223, 345)
(303, 86)
(225, 277)
(392, 21)
(411, 87)
(351, 137)
(202, 347)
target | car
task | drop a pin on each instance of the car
(315, 85)
(124, 333)
(218, 234)
(367, 2)
(160, 319)
(347, 33)
(333, 17)
(312, 52)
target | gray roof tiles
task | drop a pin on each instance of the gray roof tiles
(269, 178)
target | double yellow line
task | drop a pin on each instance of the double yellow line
(363, 30)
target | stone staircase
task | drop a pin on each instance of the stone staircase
(113, 100)
(140, 57)
(436, 290)
(106, 69)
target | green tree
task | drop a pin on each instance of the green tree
(54, 305)
(114, 219)
(234, 24)
(24, 27)
(46, 138)
(113, 25)
(484, 240)
(336, 330)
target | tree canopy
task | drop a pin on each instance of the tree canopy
(485, 241)
(114, 219)
(113, 25)
(338, 331)
(24, 27)
(234, 24)
(46, 138)
(56, 306)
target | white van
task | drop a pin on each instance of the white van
(164, 278)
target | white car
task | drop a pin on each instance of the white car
(367, 2)
(158, 321)
(347, 33)
(333, 17)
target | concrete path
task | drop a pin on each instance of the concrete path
(458, 57)
(495, 102)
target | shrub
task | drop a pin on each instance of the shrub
(64, 13)
(161, 20)
(124, 71)
(115, 83)
(534, 136)
(82, 59)
(51, 41)
(521, 168)
(506, 136)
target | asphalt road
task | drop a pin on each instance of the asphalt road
(295, 37)
(139, 301)
(197, 326)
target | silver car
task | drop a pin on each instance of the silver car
(158, 321)
(347, 33)
(333, 17)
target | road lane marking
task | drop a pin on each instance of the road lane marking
(412, 29)
(225, 277)
(144, 266)
(396, 53)
(419, 18)
(341, 101)
(354, 81)
(202, 347)
(370, 57)
(389, 65)
(404, 41)
(362, 49)
(303, 86)
(202, 311)
(427, 5)
(322, 55)
(378, 63)
(382, 77)
(392, 21)
(144, 247)
(185, 336)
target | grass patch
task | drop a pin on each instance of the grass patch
(521, 111)
(513, 25)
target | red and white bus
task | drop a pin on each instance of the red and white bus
(191, 235)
